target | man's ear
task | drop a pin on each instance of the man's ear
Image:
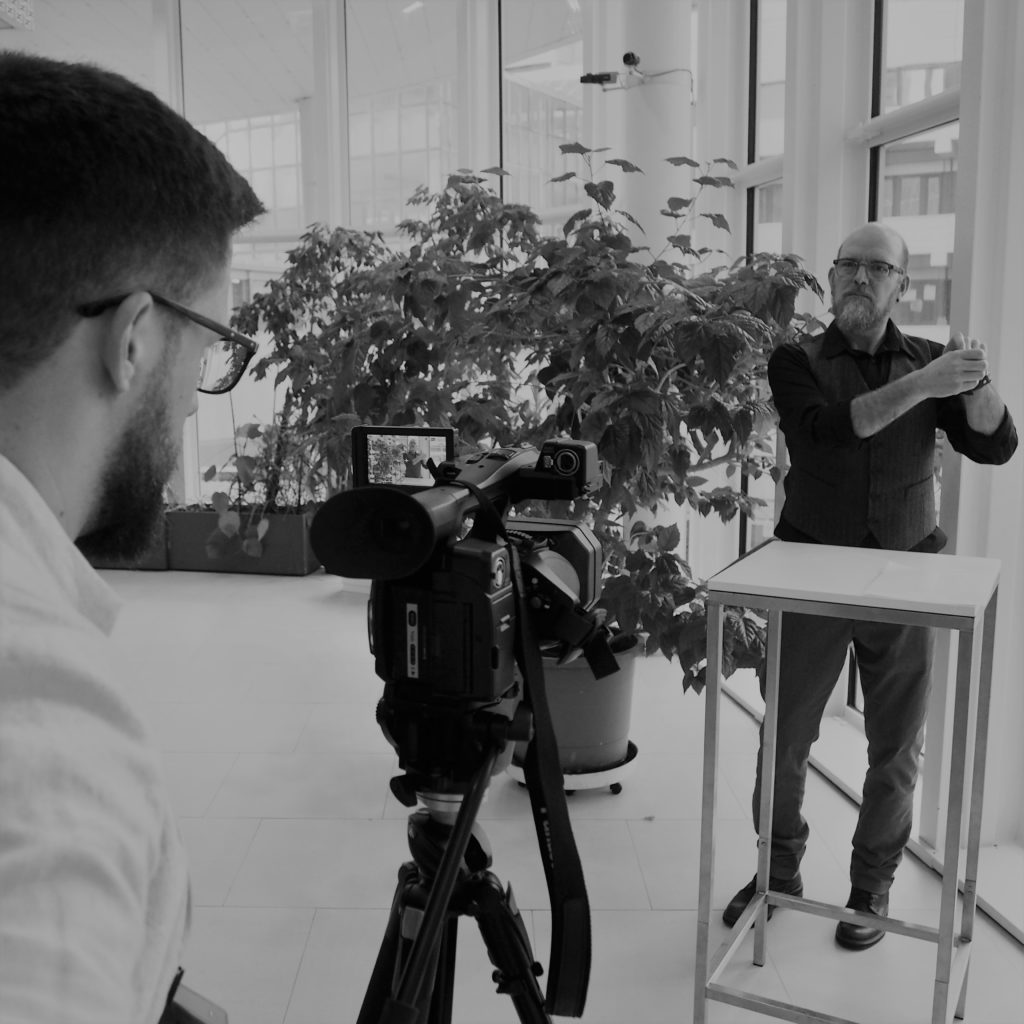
(131, 330)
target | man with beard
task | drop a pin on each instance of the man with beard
(116, 219)
(859, 406)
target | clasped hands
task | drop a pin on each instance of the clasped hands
(959, 369)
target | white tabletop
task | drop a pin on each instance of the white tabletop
(869, 577)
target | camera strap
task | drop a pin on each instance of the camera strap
(569, 960)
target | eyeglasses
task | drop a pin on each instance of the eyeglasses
(224, 360)
(877, 270)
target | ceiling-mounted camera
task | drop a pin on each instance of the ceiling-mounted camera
(630, 59)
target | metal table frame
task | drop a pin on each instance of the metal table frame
(973, 683)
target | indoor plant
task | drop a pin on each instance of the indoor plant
(260, 522)
(659, 358)
(510, 337)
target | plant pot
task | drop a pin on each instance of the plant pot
(153, 558)
(286, 548)
(590, 716)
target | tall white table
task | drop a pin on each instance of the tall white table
(945, 591)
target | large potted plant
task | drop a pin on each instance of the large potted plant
(483, 324)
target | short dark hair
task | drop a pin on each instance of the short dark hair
(103, 189)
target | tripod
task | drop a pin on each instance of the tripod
(413, 979)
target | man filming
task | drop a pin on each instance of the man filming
(859, 406)
(116, 219)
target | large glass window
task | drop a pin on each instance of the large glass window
(542, 60)
(114, 34)
(770, 100)
(923, 42)
(917, 181)
(404, 104)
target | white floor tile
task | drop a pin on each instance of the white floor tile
(262, 696)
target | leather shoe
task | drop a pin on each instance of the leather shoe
(850, 935)
(790, 886)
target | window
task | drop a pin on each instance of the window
(918, 180)
(923, 40)
(404, 106)
(769, 99)
(542, 98)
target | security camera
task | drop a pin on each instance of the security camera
(630, 59)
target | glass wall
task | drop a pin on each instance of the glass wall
(116, 34)
(542, 104)
(253, 110)
(404, 105)
(918, 177)
(770, 76)
(923, 43)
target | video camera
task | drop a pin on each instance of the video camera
(464, 597)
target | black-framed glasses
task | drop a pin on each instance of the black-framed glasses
(224, 360)
(877, 270)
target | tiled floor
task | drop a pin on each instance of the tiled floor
(261, 693)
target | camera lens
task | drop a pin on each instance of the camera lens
(567, 462)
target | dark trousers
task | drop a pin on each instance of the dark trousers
(895, 672)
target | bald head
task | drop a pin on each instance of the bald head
(868, 284)
(873, 236)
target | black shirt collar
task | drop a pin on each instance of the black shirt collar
(834, 342)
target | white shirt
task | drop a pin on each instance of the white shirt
(93, 880)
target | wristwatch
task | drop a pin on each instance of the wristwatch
(981, 383)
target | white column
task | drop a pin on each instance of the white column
(169, 85)
(983, 504)
(828, 92)
(479, 84)
(323, 121)
(720, 113)
(651, 121)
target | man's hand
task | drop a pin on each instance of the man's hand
(958, 369)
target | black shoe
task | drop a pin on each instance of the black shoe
(790, 886)
(861, 936)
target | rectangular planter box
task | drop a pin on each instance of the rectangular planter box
(154, 558)
(286, 550)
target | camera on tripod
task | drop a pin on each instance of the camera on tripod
(464, 597)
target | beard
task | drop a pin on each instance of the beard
(130, 503)
(858, 313)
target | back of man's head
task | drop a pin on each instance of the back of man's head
(103, 190)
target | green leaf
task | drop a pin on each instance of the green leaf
(625, 165)
(678, 203)
(210, 473)
(261, 528)
(602, 192)
(574, 147)
(500, 171)
(229, 523)
(576, 218)
(562, 177)
(718, 220)
(220, 501)
(681, 161)
(246, 466)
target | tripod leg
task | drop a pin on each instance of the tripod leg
(508, 946)
(382, 979)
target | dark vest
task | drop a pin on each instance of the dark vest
(882, 485)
